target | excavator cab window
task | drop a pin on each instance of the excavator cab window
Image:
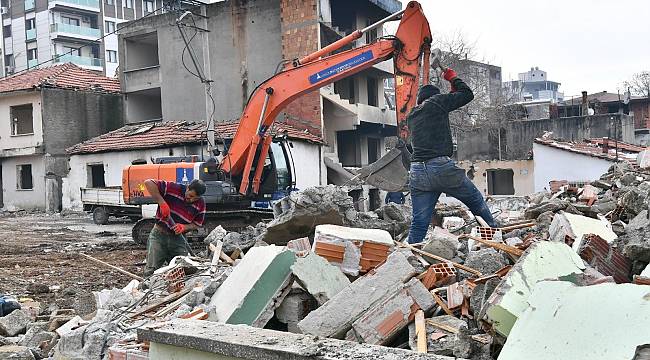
(277, 176)
(282, 167)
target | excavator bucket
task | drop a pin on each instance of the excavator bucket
(389, 173)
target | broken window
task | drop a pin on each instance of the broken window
(372, 92)
(500, 182)
(373, 150)
(24, 177)
(22, 122)
(96, 176)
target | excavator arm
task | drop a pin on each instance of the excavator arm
(409, 48)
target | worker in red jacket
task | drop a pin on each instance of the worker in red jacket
(180, 209)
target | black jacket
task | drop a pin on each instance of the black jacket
(428, 122)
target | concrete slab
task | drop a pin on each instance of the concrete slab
(321, 279)
(542, 261)
(191, 339)
(354, 250)
(564, 321)
(251, 288)
(15, 323)
(570, 229)
(385, 320)
(335, 317)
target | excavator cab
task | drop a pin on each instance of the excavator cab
(278, 175)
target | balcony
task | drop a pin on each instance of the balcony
(30, 35)
(142, 79)
(58, 30)
(83, 61)
(29, 5)
(32, 63)
(88, 5)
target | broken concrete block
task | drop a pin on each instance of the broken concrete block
(636, 200)
(480, 295)
(565, 321)
(321, 279)
(441, 345)
(68, 326)
(91, 340)
(440, 242)
(298, 213)
(487, 261)
(384, 320)
(438, 275)
(335, 317)
(112, 299)
(249, 294)
(37, 337)
(543, 260)
(570, 229)
(354, 250)
(301, 246)
(195, 297)
(553, 205)
(15, 352)
(216, 235)
(606, 259)
(294, 308)
(15, 323)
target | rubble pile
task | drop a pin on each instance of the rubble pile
(467, 292)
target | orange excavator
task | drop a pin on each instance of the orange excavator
(254, 167)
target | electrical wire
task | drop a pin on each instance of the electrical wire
(130, 23)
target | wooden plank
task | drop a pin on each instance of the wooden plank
(421, 332)
(439, 258)
(441, 303)
(167, 299)
(516, 226)
(222, 255)
(497, 245)
(122, 271)
(442, 326)
(216, 251)
(235, 254)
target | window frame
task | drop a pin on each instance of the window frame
(14, 124)
(108, 57)
(19, 177)
(109, 26)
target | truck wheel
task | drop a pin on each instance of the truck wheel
(100, 215)
(141, 230)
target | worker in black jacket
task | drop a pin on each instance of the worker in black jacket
(432, 170)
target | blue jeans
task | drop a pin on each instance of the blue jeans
(427, 180)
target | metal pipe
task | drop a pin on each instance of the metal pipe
(388, 18)
(266, 103)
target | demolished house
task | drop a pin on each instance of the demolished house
(344, 285)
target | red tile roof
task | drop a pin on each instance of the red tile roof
(171, 133)
(64, 76)
(594, 148)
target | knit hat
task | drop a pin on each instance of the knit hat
(427, 91)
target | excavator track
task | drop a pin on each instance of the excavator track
(231, 221)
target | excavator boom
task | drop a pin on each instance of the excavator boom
(409, 49)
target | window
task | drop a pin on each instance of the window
(111, 56)
(6, 31)
(148, 6)
(70, 21)
(72, 51)
(372, 91)
(110, 2)
(110, 26)
(96, 176)
(30, 24)
(500, 182)
(22, 122)
(128, 4)
(24, 177)
(32, 54)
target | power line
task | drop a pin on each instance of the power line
(87, 45)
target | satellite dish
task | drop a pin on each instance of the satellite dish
(590, 111)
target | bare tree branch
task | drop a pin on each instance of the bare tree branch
(639, 84)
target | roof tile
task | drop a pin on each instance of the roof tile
(64, 76)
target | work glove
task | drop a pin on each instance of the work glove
(165, 211)
(179, 229)
(449, 74)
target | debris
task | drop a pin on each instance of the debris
(294, 308)
(570, 229)
(438, 275)
(440, 242)
(301, 246)
(122, 271)
(560, 311)
(603, 257)
(14, 323)
(421, 332)
(250, 294)
(354, 250)
(487, 261)
(386, 318)
(335, 317)
(322, 280)
(543, 260)
(15, 352)
(500, 246)
(436, 257)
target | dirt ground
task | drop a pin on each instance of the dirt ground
(39, 256)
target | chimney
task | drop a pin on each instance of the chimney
(585, 104)
(605, 145)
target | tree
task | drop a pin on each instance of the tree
(639, 84)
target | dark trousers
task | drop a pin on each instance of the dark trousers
(427, 180)
(162, 246)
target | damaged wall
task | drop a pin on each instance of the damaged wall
(523, 174)
(556, 164)
(517, 142)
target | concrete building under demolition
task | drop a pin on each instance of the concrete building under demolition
(243, 44)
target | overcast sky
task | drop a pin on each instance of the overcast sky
(591, 45)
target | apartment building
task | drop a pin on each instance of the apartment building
(35, 31)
